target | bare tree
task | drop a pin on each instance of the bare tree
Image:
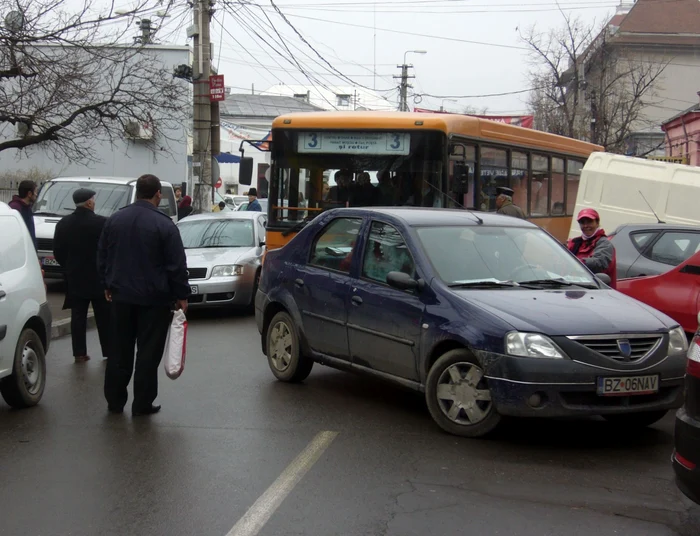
(70, 78)
(587, 87)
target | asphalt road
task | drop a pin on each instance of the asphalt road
(338, 455)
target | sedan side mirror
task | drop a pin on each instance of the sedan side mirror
(262, 243)
(603, 278)
(403, 281)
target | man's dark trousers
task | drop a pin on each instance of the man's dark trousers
(78, 324)
(145, 327)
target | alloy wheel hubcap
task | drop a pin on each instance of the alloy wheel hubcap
(31, 369)
(281, 346)
(463, 395)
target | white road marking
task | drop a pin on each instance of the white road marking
(262, 510)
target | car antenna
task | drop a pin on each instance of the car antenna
(478, 219)
(652, 210)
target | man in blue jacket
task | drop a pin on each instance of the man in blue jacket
(253, 203)
(143, 268)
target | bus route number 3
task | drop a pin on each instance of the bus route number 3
(312, 141)
(395, 142)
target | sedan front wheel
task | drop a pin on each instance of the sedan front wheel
(458, 396)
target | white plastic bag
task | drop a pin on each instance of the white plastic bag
(176, 346)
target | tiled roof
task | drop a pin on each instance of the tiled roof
(245, 105)
(663, 17)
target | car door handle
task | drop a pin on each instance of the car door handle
(357, 300)
(299, 282)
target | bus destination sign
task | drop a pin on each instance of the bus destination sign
(375, 143)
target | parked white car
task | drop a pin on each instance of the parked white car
(55, 200)
(25, 318)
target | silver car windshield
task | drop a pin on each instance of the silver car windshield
(217, 233)
(464, 255)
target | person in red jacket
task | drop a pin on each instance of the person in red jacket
(593, 247)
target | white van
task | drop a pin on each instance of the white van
(623, 188)
(55, 200)
(25, 317)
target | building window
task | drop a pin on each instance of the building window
(343, 100)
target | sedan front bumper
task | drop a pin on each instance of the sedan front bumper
(687, 438)
(532, 387)
(221, 291)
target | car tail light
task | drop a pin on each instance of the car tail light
(694, 356)
(684, 461)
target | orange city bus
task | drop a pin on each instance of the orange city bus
(414, 159)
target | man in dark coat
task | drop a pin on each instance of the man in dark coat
(143, 268)
(22, 203)
(504, 203)
(75, 248)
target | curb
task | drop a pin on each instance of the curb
(61, 328)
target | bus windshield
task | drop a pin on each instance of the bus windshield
(316, 171)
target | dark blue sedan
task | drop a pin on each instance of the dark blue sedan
(487, 315)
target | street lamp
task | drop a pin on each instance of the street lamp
(414, 52)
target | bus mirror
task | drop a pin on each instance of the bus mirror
(245, 171)
(460, 177)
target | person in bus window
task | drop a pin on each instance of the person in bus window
(364, 194)
(593, 248)
(558, 208)
(340, 193)
(385, 190)
(504, 203)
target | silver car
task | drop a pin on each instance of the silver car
(224, 255)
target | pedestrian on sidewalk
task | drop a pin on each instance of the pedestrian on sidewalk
(75, 247)
(144, 271)
(27, 193)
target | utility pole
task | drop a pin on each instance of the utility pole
(201, 71)
(594, 118)
(403, 94)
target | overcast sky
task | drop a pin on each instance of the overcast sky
(342, 32)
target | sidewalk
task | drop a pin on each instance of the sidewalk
(60, 326)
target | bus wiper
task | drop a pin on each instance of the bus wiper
(484, 284)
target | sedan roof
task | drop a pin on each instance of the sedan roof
(421, 216)
(631, 227)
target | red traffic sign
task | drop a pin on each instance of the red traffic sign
(219, 183)
(217, 89)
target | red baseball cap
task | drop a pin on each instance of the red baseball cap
(588, 213)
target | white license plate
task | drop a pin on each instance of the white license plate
(50, 261)
(194, 289)
(629, 385)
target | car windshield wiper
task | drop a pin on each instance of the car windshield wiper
(484, 284)
(555, 283)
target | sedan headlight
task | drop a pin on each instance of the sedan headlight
(677, 341)
(531, 345)
(227, 270)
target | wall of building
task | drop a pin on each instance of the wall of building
(126, 158)
(684, 140)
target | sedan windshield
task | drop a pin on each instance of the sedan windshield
(217, 233)
(56, 198)
(484, 257)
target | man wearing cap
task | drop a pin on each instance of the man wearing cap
(75, 248)
(593, 247)
(504, 203)
(253, 203)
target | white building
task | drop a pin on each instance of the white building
(135, 154)
(344, 98)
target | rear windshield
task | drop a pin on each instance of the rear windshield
(56, 198)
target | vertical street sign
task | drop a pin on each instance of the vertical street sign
(217, 90)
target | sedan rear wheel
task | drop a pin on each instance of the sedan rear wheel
(284, 356)
(25, 386)
(458, 396)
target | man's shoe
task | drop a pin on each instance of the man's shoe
(145, 411)
(114, 409)
(82, 358)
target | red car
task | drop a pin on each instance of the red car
(675, 293)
